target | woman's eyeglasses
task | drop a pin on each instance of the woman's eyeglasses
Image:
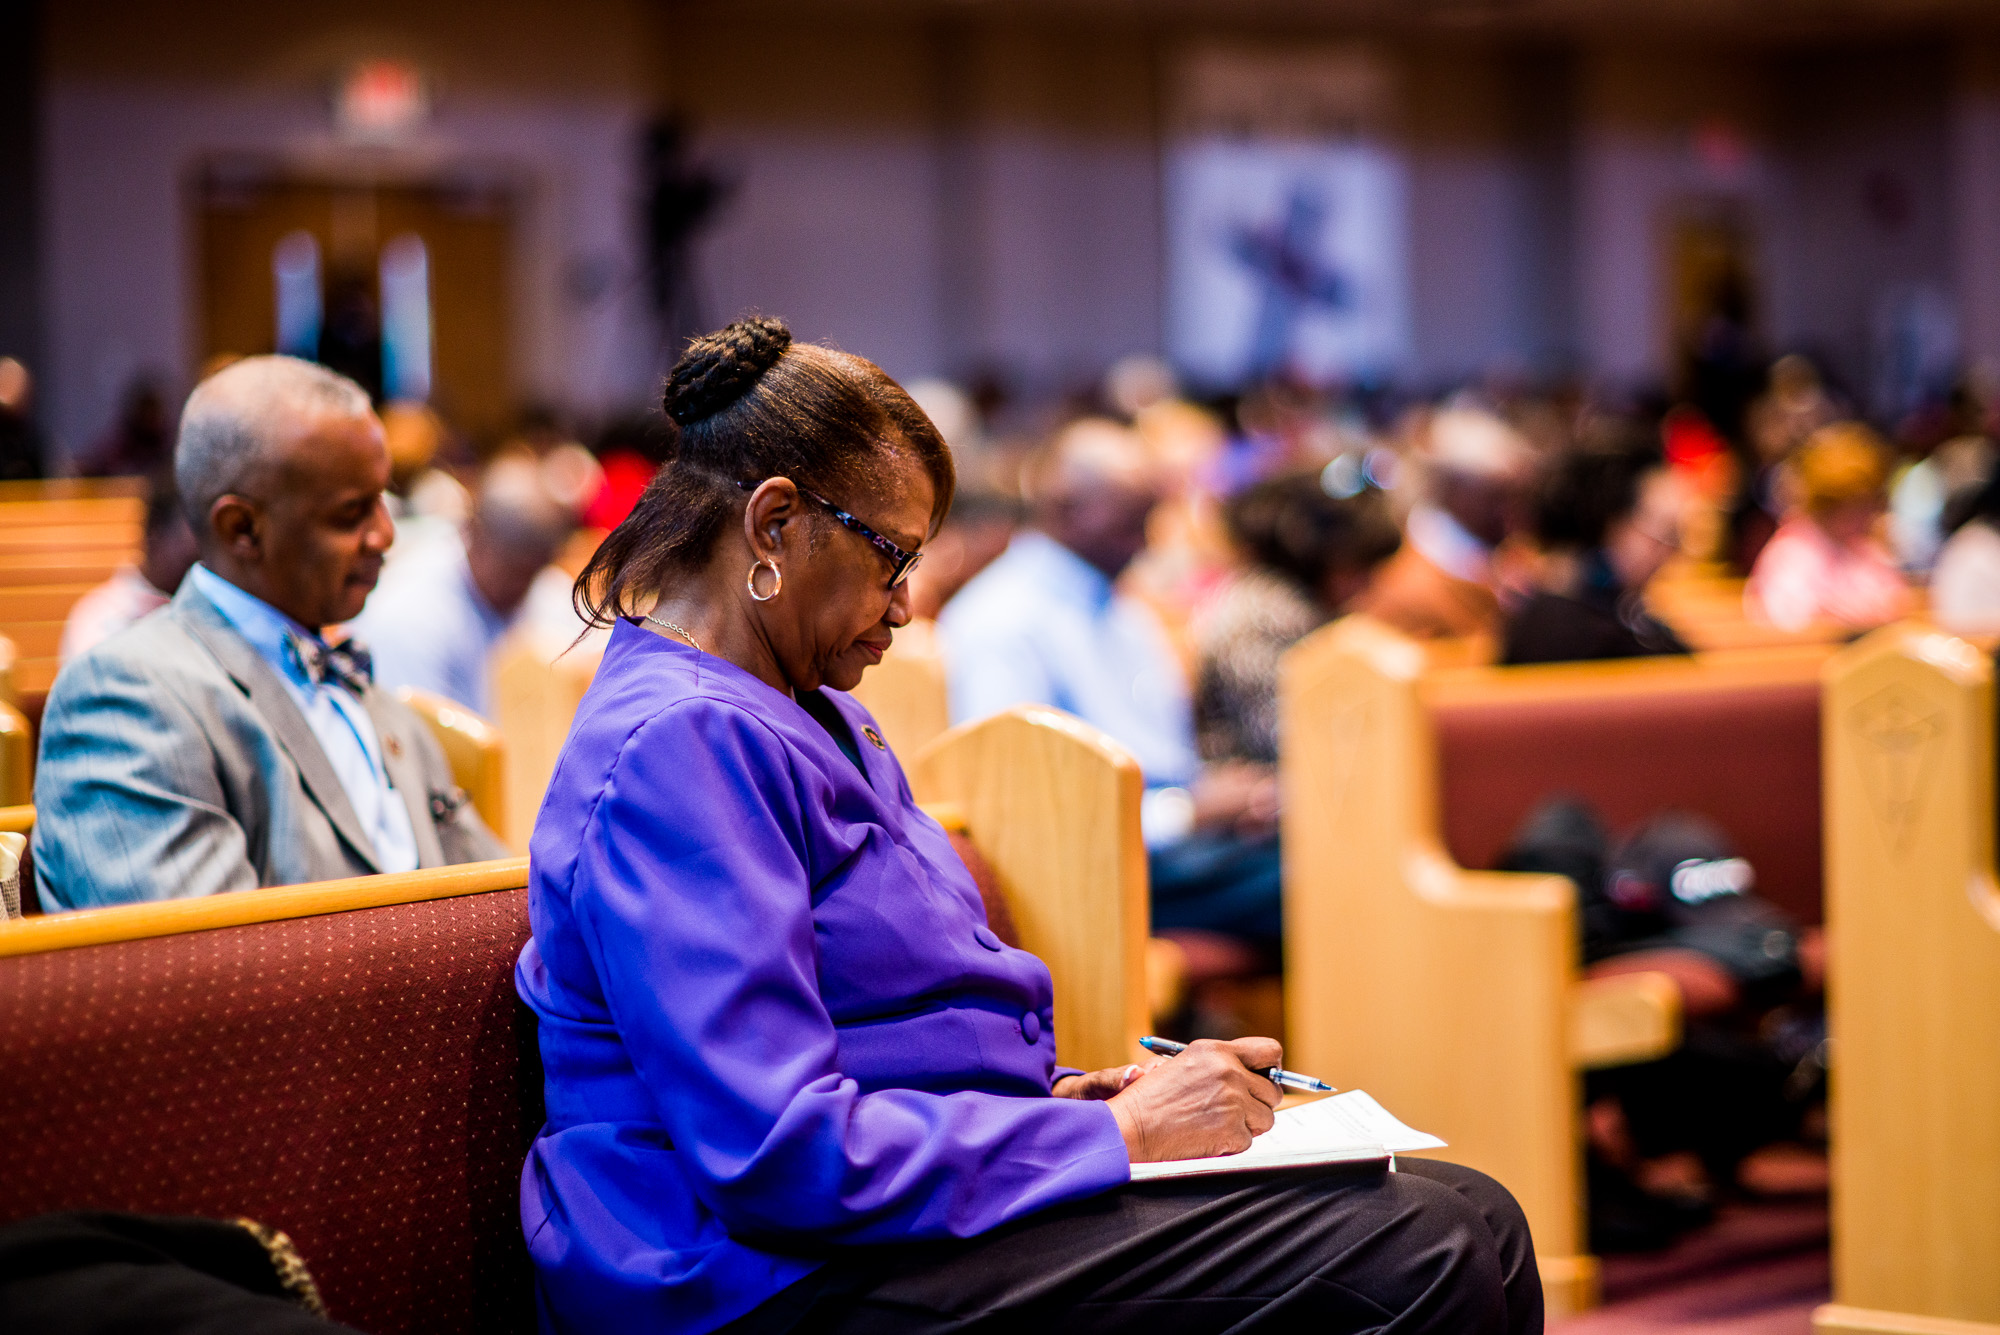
(901, 563)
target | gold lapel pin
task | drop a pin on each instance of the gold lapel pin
(875, 737)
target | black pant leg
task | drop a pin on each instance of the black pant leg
(116, 1274)
(1521, 1277)
(1437, 1251)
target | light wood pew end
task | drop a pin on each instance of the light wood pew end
(1053, 805)
(474, 748)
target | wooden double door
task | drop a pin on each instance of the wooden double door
(467, 239)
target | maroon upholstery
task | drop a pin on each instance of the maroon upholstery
(1747, 759)
(364, 1081)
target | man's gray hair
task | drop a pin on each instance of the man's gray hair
(234, 420)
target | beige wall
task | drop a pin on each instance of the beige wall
(955, 188)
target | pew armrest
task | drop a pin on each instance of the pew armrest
(1627, 1018)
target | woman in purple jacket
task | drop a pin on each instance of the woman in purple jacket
(794, 1081)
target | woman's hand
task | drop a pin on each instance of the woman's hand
(1211, 1099)
(1102, 1084)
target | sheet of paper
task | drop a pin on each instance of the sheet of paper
(1346, 1128)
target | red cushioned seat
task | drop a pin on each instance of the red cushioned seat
(365, 1081)
(1746, 758)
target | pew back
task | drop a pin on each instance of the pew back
(474, 748)
(58, 540)
(1053, 804)
(537, 688)
(1446, 994)
(1733, 737)
(346, 1062)
(1913, 985)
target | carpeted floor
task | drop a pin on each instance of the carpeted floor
(1757, 1270)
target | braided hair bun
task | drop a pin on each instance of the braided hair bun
(720, 368)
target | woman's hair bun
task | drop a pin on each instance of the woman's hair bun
(719, 368)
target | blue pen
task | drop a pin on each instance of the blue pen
(1277, 1075)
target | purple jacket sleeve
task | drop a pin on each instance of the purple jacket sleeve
(693, 891)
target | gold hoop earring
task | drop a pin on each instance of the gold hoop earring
(777, 580)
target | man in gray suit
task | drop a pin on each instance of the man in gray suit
(221, 743)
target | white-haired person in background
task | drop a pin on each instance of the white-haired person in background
(1442, 584)
(437, 616)
(223, 743)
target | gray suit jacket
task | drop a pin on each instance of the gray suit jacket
(174, 764)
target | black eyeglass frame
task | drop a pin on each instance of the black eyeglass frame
(900, 561)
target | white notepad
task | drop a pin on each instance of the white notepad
(1346, 1128)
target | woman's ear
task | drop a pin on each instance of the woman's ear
(773, 506)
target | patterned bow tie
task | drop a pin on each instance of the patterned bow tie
(348, 663)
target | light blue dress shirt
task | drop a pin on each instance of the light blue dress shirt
(428, 626)
(1041, 625)
(339, 721)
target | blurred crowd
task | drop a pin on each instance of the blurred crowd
(1143, 559)
(1520, 526)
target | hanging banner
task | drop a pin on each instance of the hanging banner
(1286, 221)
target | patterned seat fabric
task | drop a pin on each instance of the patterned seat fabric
(364, 1081)
(1746, 758)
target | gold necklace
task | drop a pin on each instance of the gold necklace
(678, 630)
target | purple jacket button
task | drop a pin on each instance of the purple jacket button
(1031, 1027)
(984, 936)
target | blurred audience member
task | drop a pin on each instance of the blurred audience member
(1794, 406)
(224, 744)
(1607, 515)
(1965, 587)
(1442, 583)
(428, 504)
(1825, 563)
(630, 452)
(1043, 623)
(1930, 496)
(1307, 555)
(571, 472)
(1187, 552)
(435, 619)
(981, 524)
(21, 449)
(137, 446)
(135, 591)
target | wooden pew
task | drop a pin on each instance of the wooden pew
(1636, 737)
(1053, 804)
(58, 540)
(17, 759)
(346, 1062)
(1913, 900)
(1453, 996)
(358, 1072)
(536, 690)
(475, 749)
(50, 489)
(1704, 605)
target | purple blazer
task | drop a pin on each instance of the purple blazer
(772, 1016)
